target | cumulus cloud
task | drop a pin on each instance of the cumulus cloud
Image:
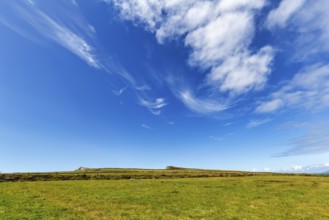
(218, 33)
(309, 89)
(242, 72)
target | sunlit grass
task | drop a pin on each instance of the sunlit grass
(250, 197)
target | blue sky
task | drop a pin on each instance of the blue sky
(222, 84)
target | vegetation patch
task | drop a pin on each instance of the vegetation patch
(244, 197)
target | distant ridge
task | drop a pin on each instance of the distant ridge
(175, 168)
(327, 172)
(82, 169)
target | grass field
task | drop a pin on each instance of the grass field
(244, 197)
(118, 173)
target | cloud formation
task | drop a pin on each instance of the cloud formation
(308, 89)
(281, 15)
(256, 123)
(146, 126)
(310, 23)
(204, 106)
(218, 33)
(52, 29)
(314, 141)
(219, 36)
(65, 26)
(316, 168)
(154, 106)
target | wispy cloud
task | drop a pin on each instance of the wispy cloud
(204, 106)
(218, 34)
(314, 141)
(146, 126)
(119, 92)
(35, 19)
(310, 24)
(258, 122)
(269, 106)
(68, 39)
(154, 106)
(67, 27)
(280, 16)
(143, 88)
(31, 2)
(309, 89)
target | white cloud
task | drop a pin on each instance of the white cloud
(280, 16)
(229, 5)
(218, 34)
(66, 26)
(313, 25)
(256, 123)
(33, 17)
(67, 38)
(143, 88)
(214, 42)
(269, 106)
(316, 168)
(146, 126)
(309, 89)
(154, 106)
(242, 72)
(119, 92)
(310, 22)
(204, 106)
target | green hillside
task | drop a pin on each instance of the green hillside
(132, 173)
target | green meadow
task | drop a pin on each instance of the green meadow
(262, 196)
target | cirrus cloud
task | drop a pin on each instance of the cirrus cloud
(218, 33)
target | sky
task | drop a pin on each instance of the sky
(213, 84)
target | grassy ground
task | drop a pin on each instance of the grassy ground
(249, 197)
(117, 173)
